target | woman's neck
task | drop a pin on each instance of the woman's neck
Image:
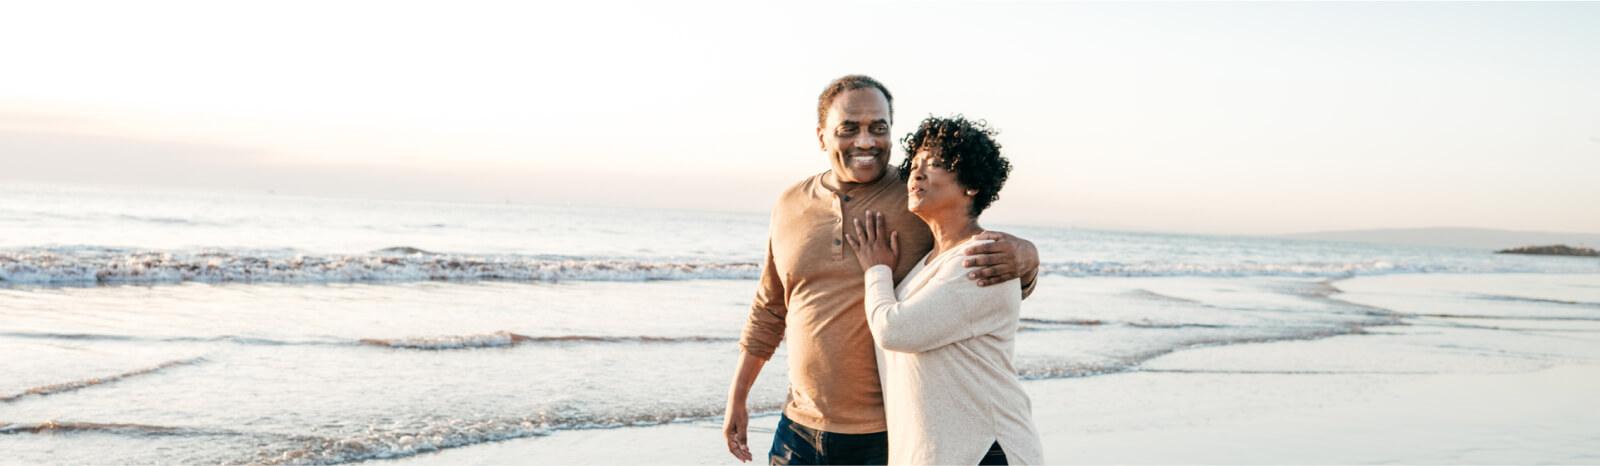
(951, 230)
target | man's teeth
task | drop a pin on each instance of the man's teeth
(864, 160)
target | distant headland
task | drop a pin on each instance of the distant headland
(1472, 238)
(1552, 250)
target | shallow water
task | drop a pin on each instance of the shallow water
(147, 327)
(1417, 392)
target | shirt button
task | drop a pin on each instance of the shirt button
(847, 198)
(837, 220)
(836, 241)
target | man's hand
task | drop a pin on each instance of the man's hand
(874, 243)
(736, 429)
(1006, 258)
(736, 419)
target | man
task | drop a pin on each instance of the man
(813, 289)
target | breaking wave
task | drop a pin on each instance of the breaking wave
(1030, 320)
(94, 265)
(442, 342)
(1150, 324)
(437, 434)
(1151, 295)
(504, 338)
(1536, 300)
(49, 427)
(81, 384)
(102, 265)
(1329, 270)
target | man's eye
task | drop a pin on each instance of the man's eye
(880, 129)
(847, 130)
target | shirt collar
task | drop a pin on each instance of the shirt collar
(891, 176)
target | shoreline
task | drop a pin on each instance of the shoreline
(1425, 389)
(1251, 417)
(1182, 412)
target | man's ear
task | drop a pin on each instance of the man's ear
(820, 143)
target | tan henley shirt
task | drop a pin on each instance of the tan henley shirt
(813, 289)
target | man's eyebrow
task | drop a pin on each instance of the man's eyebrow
(879, 121)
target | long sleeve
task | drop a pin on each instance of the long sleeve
(947, 309)
(763, 330)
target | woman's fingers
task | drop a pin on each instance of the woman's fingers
(894, 243)
(868, 223)
(874, 232)
(880, 226)
(872, 227)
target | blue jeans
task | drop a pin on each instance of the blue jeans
(995, 457)
(797, 444)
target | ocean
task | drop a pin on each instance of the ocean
(142, 325)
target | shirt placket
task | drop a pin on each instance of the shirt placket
(839, 201)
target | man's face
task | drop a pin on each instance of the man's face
(856, 135)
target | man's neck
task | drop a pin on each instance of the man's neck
(833, 181)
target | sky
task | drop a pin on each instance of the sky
(1221, 118)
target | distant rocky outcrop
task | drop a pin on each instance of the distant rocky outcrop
(1472, 238)
(1552, 250)
(402, 250)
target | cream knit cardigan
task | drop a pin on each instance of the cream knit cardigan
(944, 348)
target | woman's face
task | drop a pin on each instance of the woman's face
(932, 189)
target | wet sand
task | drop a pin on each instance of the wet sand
(1431, 390)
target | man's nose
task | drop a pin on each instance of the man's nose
(865, 141)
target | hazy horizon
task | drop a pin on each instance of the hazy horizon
(1253, 118)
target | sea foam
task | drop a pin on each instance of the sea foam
(92, 265)
(107, 265)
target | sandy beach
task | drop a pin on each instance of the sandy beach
(1429, 390)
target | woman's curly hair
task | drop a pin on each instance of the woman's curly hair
(968, 148)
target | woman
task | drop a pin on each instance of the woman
(944, 344)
